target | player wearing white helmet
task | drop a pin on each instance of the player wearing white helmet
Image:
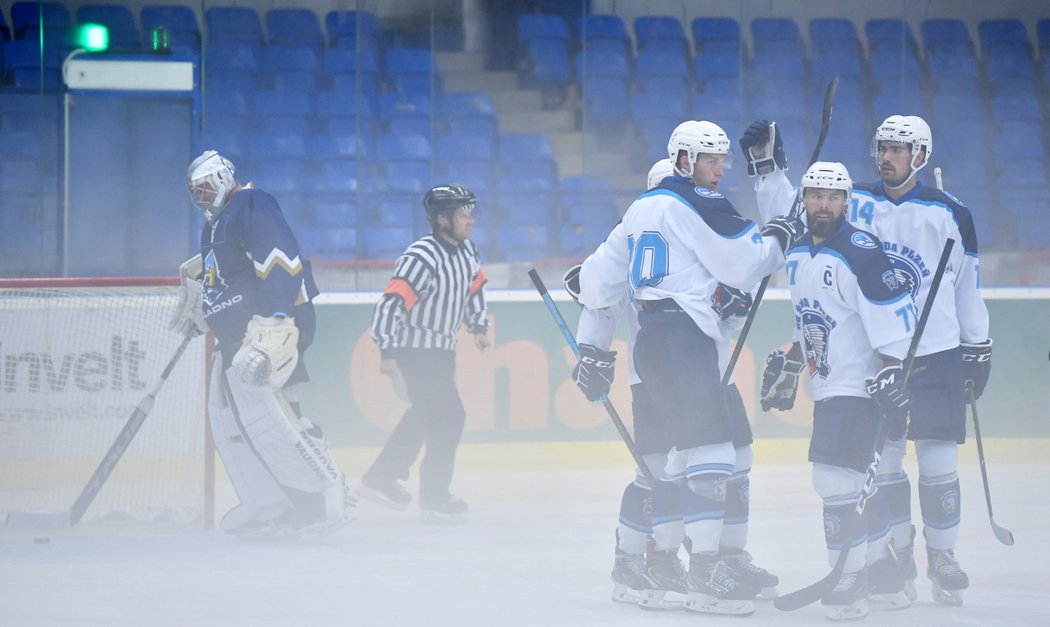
(673, 248)
(913, 222)
(251, 287)
(853, 325)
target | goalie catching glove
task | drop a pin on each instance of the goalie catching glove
(893, 399)
(188, 317)
(269, 353)
(594, 372)
(977, 365)
(763, 148)
(780, 381)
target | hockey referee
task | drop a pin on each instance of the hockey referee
(436, 287)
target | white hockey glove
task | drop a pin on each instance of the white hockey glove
(188, 317)
(763, 148)
(780, 381)
(270, 352)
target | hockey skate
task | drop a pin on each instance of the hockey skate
(716, 589)
(388, 492)
(848, 599)
(886, 585)
(948, 579)
(742, 565)
(666, 584)
(906, 561)
(451, 510)
(628, 575)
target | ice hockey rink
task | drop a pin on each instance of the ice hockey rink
(537, 550)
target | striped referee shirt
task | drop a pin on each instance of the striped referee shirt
(435, 287)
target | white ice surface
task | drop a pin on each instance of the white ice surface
(537, 550)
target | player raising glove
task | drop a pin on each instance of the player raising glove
(977, 365)
(763, 148)
(270, 352)
(780, 379)
(594, 372)
(893, 399)
(188, 317)
(786, 229)
(729, 301)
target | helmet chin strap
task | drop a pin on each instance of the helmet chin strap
(911, 164)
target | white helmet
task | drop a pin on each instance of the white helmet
(828, 175)
(216, 172)
(907, 129)
(660, 170)
(695, 138)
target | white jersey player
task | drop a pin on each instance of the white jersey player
(954, 356)
(853, 325)
(253, 290)
(673, 248)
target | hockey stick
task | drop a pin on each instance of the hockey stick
(625, 435)
(796, 211)
(63, 520)
(1001, 533)
(814, 592)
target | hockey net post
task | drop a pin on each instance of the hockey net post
(77, 356)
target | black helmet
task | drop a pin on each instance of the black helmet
(446, 199)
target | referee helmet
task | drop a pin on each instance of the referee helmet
(447, 198)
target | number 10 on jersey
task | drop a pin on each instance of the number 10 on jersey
(648, 259)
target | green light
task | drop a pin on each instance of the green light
(160, 40)
(94, 37)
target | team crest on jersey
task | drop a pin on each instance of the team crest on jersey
(707, 193)
(214, 284)
(861, 239)
(816, 330)
(906, 274)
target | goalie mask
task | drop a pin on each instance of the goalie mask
(696, 138)
(660, 170)
(906, 129)
(211, 179)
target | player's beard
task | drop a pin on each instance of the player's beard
(822, 225)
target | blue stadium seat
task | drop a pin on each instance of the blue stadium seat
(180, 22)
(405, 112)
(269, 146)
(485, 127)
(652, 133)
(467, 104)
(950, 66)
(604, 31)
(960, 108)
(547, 63)
(1020, 87)
(582, 186)
(655, 62)
(541, 26)
(284, 178)
(336, 212)
(1005, 63)
(776, 34)
(282, 57)
(1042, 29)
(597, 212)
(232, 65)
(517, 147)
(1019, 138)
(718, 99)
(601, 64)
(893, 63)
(708, 30)
(662, 32)
(1014, 106)
(659, 104)
(332, 146)
(234, 24)
(786, 65)
(525, 243)
(230, 142)
(458, 147)
(715, 64)
(22, 62)
(845, 62)
(123, 34)
(893, 101)
(26, 18)
(1009, 30)
(341, 110)
(580, 240)
(345, 28)
(384, 242)
(833, 32)
(294, 27)
(946, 34)
(525, 199)
(268, 105)
(605, 102)
(391, 147)
(477, 176)
(890, 34)
(402, 60)
(328, 242)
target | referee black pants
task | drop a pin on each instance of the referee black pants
(435, 418)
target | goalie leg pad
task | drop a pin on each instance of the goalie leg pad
(261, 497)
(269, 354)
(296, 461)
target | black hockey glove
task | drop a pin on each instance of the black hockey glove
(977, 365)
(572, 282)
(729, 301)
(594, 372)
(780, 381)
(893, 399)
(763, 148)
(786, 229)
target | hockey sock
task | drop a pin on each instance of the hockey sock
(703, 510)
(890, 509)
(940, 501)
(840, 518)
(666, 517)
(734, 529)
(634, 524)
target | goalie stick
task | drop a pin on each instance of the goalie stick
(1002, 534)
(796, 211)
(814, 592)
(63, 520)
(613, 415)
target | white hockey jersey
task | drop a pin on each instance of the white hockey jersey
(849, 308)
(913, 231)
(679, 241)
(597, 327)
